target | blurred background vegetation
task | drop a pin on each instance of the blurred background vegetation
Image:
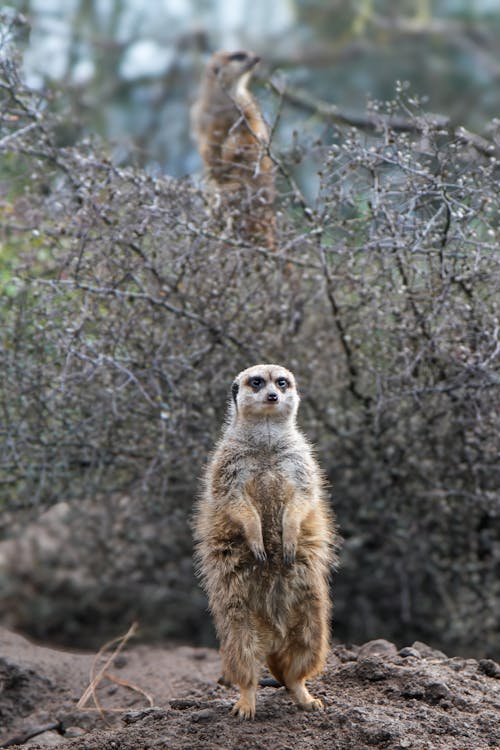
(130, 69)
(125, 316)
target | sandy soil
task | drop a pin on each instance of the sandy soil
(374, 696)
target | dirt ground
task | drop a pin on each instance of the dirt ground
(374, 697)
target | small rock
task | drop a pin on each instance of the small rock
(183, 704)
(377, 735)
(436, 691)
(427, 651)
(71, 732)
(489, 667)
(378, 647)
(204, 715)
(411, 690)
(199, 655)
(371, 668)
(409, 651)
(131, 717)
(269, 682)
(47, 739)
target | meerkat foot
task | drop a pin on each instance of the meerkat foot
(315, 704)
(305, 700)
(244, 708)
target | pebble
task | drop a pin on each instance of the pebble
(437, 690)
(47, 739)
(489, 667)
(71, 732)
(427, 651)
(378, 647)
(204, 715)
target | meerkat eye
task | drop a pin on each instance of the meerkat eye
(256, 382)
(282, 383)
(238, 56)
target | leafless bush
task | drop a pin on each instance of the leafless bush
(128, 307)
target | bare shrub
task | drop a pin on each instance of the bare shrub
(127, 308)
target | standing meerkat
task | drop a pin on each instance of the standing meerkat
(232, 139)
(265, 541)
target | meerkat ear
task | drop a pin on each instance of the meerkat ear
(234, 390)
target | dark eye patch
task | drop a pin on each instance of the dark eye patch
(238, 56)
(282, 382)
(234, 391)
(256, 382)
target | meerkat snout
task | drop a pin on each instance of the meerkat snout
(272, 396)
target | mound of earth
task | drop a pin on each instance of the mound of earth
(374, 696)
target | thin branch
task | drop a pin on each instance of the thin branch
(221, 336)
(28, 734)
(96, 678)
(339, 325)
(376, 122)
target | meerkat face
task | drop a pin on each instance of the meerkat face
(233, 69)
(266, 391)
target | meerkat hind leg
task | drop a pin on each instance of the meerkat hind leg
(292, 666)
(303, 697)
(240, 665)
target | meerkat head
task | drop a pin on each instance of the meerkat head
(265, 391)
(232, 70)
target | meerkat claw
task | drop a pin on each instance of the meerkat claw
(260, 555)
(243, 710)
(289, 555)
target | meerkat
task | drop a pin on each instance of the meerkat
(233, 141)
(265, 541)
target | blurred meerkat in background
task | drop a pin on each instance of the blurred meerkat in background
(233, 141)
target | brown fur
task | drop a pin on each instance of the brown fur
(232, 139)
(265, 542)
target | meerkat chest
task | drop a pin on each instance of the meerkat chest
(271, 481)
(277, 469)
(268, 468)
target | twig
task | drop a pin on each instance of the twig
(95, 679)
(214, 330)
(20, 739)
(331, 112)
(131, 686)
(17, 134)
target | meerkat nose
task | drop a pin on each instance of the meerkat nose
(272, 396)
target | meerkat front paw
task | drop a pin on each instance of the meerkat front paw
(259, 553)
